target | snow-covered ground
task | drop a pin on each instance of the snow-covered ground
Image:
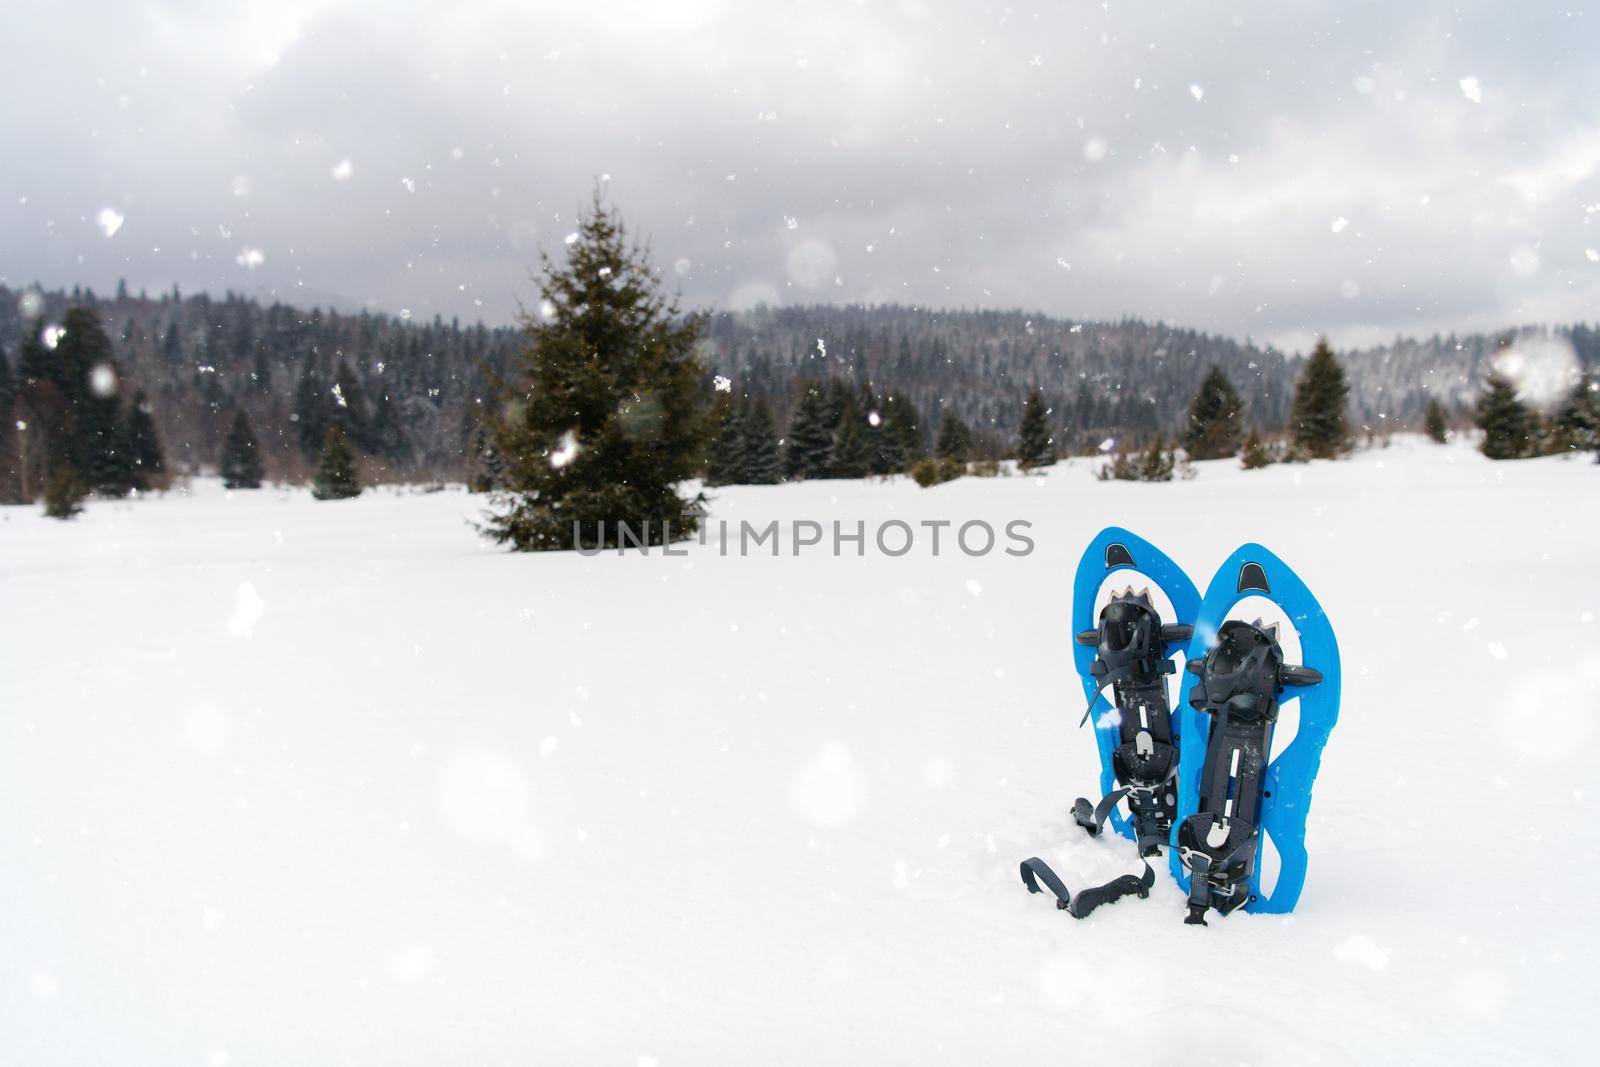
(296, 782)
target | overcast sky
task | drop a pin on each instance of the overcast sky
(1272, 170)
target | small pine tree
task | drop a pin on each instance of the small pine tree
(1035, 446)
(904, 431)
(1124, 467)
(850, 457)
(1577, 424)
(1213, 428)
(1157, 464)
(489, 470)
(1317, 421)
(1256, 454)
(955, 439)
(809, 439)
(241, 458)
(1435, 422)
(763, 466)
(63, 488)
(726, 461)
(336, 469)
(1507, 423)
(141, 445)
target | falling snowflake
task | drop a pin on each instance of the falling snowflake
(1338, 224)
(571, 239)
(110, 220)
(53, 335)
(1472, 90)
(103, 380)
(411, 186)
(405, 313)
(338, 394)
(567, 452)
(822, 348)
(721, 384)
(873, 418)
(1197, 92)
(342, 170)
(250, 258)
(1594, 256)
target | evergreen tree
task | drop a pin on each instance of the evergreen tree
(849, 457)
(10, 476)
(1508, 425)
(241, 456)
(901, 439)
(348, 410)
(490, 473)
(64, 489)
(141, 445)
(1317, 420)
(1157, 464)
(607, 420)
(1577, 424)
(873, 436)
(1035, 446)
(1435, 422)
(727, 462)
(763, 465)
(1256, 454)
(955, 439)
(336, 469)
(810, 440)
(311, 403)
(1214, 418)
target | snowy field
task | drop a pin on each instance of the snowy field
(286, 782)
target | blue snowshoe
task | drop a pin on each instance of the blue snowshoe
(1234, 797)
(1126, 648)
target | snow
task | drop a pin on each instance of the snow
(284, 781)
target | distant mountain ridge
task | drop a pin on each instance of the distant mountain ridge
(415, 390)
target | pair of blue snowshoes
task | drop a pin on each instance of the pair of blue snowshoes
(1223, 780)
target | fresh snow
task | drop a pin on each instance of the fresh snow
(284, 781)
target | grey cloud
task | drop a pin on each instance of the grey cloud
(1181, 162)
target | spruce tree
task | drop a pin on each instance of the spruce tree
(873, 427)
(727, 462)
(1035, 446)
(337, 478)
(489, 472)
(763, 466)
(1256, 454)
(607, 419)
(1157, 464)
(311, 414)
(141, 445)
(955, 439)
(849, 457)
(241, 456)
(810, 440)
(902, 433)
(1435, 422)
(1214, 422)
(1317, 419)
(1578, 422)
(64, 488)
(1507, 423)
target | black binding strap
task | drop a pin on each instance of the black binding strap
(1036, 870)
